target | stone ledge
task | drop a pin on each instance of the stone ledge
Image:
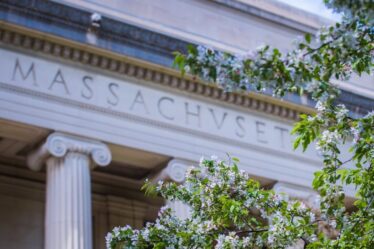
(19, 37)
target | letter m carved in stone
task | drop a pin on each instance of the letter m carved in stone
(24, 73)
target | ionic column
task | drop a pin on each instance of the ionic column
(68, 219)
(175, 171)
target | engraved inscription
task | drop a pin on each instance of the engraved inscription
(59, 80)
(192, 113)
(161, 106)
(106, 92)
(24, 74)
(283, 133)
(260, 132)
(139, 101)
(87, 92)
(219, 122)
(113, 99)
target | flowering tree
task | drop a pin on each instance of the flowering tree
(229, 209)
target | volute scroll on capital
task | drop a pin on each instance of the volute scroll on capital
(59, 144)
(177, 171)
(174, 171)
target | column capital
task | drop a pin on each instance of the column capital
(174, 171)
(59, 144)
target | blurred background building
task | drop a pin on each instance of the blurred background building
(90, 106)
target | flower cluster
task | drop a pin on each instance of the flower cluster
(328, 138)
(341, 113)
(229, 210)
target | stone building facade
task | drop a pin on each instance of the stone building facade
(90, 106)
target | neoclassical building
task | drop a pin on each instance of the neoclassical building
(90, 106)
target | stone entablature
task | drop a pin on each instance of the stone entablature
(94, 57)
(91, 91)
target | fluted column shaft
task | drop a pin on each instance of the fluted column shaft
(68, 220)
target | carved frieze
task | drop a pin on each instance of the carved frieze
(167, 77)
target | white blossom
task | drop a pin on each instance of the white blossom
(320, 106)
(341, 113)
(356, 134)
(108, 239)
(330, 136)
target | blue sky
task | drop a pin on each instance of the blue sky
(314, 6)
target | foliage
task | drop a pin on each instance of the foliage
(225, 202)
(336, 52)
(229, 209)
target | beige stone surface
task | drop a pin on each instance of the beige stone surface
(21, 223)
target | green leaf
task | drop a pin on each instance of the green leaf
(149, 189)
(318, 179)
(308, 38)
(296, 143)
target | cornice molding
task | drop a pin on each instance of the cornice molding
(19, 37)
